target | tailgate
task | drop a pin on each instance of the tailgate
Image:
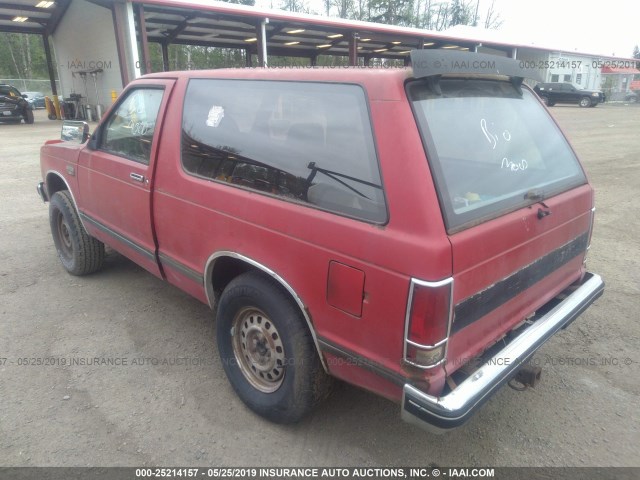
(507, 268)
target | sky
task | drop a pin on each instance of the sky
(604, 28)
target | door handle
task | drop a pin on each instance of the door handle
(137, 177)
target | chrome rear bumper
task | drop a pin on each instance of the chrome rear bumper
(452, 410)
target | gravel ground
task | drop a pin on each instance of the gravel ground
(583, 413)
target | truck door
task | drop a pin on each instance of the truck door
(568, 94)
(116, 175)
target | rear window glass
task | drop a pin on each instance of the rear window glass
(304, 142)
(491, 149)
(9, 92)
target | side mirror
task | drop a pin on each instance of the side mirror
(74, 131)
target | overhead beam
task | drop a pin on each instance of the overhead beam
(202, 14)
(165, 23)
(26, 8)
(56, 16)
(179, 29)
(285, 51)
(274, 32)
(16, 29)
(332, 44)
(9, 18)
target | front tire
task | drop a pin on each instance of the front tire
(585, 102)
(267, 351)
(79, 253)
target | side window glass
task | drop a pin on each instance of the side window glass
(308, 143)
(129, 130)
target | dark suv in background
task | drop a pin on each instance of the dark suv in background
(557, 92)
(14, 106)
(632, 97)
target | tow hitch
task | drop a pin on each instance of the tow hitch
(526, 377)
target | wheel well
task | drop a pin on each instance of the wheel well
(224, 269)
(55, 184)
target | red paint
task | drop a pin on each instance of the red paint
(345, 288)
(352, 277)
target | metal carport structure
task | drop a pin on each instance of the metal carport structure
(261, 33)
(37, 18)
(120, 32)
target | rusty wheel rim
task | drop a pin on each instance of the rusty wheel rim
(64, 236)
(258, 349)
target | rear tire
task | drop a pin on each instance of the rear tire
(28, 117)
(79, 253)
(267, 351)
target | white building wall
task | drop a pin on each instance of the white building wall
(85, 40)
(582, 70)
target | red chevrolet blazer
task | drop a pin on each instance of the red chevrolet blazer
(418, 232)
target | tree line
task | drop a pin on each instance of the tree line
(428, 14)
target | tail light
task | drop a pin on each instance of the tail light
(428, 321)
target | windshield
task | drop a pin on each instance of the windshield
(491, 148)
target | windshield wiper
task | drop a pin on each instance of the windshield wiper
(333, 175)
(537, 196)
